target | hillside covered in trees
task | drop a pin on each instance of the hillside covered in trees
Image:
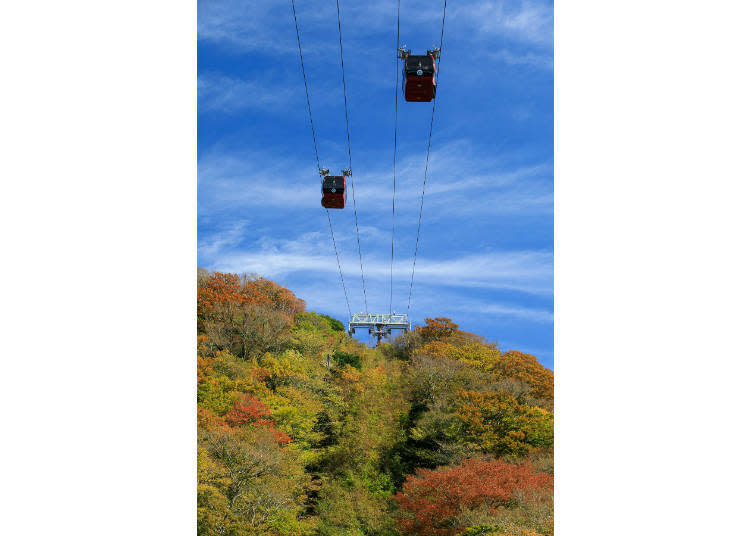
(303, 430)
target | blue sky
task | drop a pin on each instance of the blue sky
(486, 246)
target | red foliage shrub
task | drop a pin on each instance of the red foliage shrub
(246, 409)
(281, 437)
(249, 410)
(432, 499)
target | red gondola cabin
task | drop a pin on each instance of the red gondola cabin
(419, 78)
(334, 192)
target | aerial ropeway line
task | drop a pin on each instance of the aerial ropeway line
(418, 84)
(338, 198)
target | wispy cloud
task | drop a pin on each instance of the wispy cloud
(226, 239)
(246, 25)
(242, 24)
(259, 26)
(219, 93)
(533, 59)
(306, 265)
(529, 21)
(325, 296)
(454, 179)
(526, 313)
(492, 309)
(523, 271)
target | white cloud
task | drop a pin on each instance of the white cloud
(455, 176)
(531, 22)
(455, 304)
(525, 313)
(326, 296)
(479, 283)
(246, 25)
(309, 269)
(523, 271)
(218, 93)
(239, 23)
(533, 59)
(249, 26)
(222, 241)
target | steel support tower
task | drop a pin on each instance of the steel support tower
(379, 324)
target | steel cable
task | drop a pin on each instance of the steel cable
(317, 159)
(349, 150)
(341, 274)
(427, 161)
(395, 139)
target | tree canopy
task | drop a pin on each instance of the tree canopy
(303, 430)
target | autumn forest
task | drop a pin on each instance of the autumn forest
(303, 430)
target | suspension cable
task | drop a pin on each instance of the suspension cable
(427, 161)
(341, 274)
(307, 92)
(349, 150)
(317, 159)
(395, 138)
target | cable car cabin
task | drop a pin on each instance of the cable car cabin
(419, 78)
(334, 192)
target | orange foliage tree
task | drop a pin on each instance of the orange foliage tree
(208, 420)
(245, 315)
(431, 500)
(220, 290)
(495, 422)
(525, 367)
(436, 329)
